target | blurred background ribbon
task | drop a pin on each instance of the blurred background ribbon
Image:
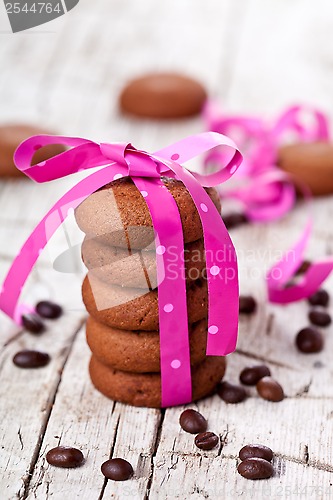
(265, 192)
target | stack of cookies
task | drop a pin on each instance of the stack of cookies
(120, 293)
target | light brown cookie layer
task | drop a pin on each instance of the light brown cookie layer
(10, 138)
(138, 351)
(139, 389)
(311, 163)
(119, 215)
(163, 95)
(119, 266)
(132, 309)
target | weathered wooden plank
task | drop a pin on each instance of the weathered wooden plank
(75, 92)
(274, 70)
(83, 418)
(203, 476)
(27, 399)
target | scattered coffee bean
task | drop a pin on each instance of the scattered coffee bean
(33, 323)
(309, 340)
(65, 457)
(48, 309)
(319, 298)
(231, 393)
(303, 267)
(270, 389)
(31, 359)
(206, 440)
(117, 469)
(319, 318)
(257, 451)
(192, 421)
(234, 220)
(247, 304)
(252, 374)
(255, 468)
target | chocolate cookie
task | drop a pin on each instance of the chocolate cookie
(140, 389)
(163, 95)
(138, 351)
(312, 163)
(132, 309)
(119, 215)
(137, 269)
(11, 137)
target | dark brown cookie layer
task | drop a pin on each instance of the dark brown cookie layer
(140, 389)
(138, 351)
(132, 309)
(119, 215)
(119, 266)
(10, 138)
(163, 95)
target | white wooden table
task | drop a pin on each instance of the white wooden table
(255, 56)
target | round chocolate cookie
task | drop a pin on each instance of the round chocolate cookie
(132, 309)
(163, 95)
(138, 351)
(11, 137)
(311, 162)
(119, 215)
(137, 269)
(144, 389)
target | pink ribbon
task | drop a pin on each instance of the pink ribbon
(268, 193)
(265, 192)
(145, 169)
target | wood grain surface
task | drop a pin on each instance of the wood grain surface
(254, 56)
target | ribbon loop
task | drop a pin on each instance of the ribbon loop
(115, 152)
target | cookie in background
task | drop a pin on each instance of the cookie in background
(11, 135)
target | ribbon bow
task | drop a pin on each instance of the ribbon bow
(120, 160)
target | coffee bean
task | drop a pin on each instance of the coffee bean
(252, 374)
(33, 323)
(247, 304)
(65, 457)
(256, 450)
(319, 318)
(206, 440)
(234, 220)
(31, 359)
(270, 389)
(193, 422)
(255, 468)
(231, 393)
(309, 340)
(48, 309)
(303, 267)
(319, 298)
(117, 469)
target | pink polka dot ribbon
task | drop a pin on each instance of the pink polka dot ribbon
(266, 192)
(120, 160)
